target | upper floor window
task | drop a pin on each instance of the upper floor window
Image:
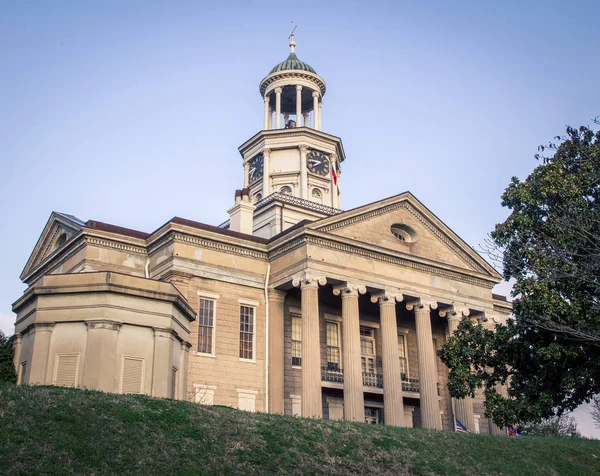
(403, 356)
(285, 189)
(367, 349)
(246, 332)
(206, 326)
(296, 341)
(333, 346)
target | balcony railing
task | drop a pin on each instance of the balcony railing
(371, 379)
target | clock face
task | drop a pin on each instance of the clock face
(317, 163)
(256, 168)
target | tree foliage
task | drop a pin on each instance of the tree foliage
(595, 410)
(7, 369)
(549, 354)
(563, 426)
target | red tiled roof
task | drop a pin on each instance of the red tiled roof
(98, 225)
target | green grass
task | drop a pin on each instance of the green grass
(52, 430)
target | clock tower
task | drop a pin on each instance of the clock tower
(291, 167)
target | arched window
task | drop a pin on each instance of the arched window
(403, 232)
(257, 198)
(316, 193)
(285, 189)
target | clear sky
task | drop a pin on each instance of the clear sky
(131, 112)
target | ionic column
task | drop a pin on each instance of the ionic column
(428, 378)
(298, 104)
(354, 401)
(276, 355)
(315, 96)
(246, 174)
(462, 407)
(305, 115)
(312, 405)
(162, 363)
(270, 123)
(266, 174)
(303, 172)
(393, 406)
(267, 108)
(278, 108)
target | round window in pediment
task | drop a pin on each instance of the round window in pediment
(403, 232)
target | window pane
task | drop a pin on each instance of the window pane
(246, 332)
(205, 325)
(366, 346)
(296, 341)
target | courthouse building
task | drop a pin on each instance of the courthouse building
(292, 306)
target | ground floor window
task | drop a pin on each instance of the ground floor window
(373, 415)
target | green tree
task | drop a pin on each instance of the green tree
(548, 355)
(7, 368)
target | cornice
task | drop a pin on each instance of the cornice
(219, 246)
(114, 244)
(293, 73)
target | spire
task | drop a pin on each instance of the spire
(291, 37)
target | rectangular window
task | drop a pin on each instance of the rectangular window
(403, 356)
(246, 332)
(333, 346)
(296, 341)
(206, 326)
(367, 349)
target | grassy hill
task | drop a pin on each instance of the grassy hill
(68, 431)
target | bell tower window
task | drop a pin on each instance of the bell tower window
(286, 190)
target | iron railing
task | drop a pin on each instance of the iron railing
(371, 380)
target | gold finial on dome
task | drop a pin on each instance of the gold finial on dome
(291, 37)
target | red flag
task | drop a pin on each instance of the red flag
(334, 175)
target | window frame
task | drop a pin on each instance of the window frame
(372, 356)
(335, 322)
(125, 357)
(251, 305)
(203, 295)
(296, 317)
(404, 332)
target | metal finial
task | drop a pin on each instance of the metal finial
(291, 37)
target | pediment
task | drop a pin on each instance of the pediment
(57, 232)
(418, 233)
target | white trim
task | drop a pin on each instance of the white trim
(208, 356)
(296, 311)
(213, 345)
(404, 333)
(207, 295)
(247, 396)
(250, 361)
(246, 390)
(402, 330)
(332, 317)
(248, 302)
(372, 325)
(339, 339)
(209, 392)
(292, 317)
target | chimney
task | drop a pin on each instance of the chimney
(241, 215)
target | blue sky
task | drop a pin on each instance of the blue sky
(132, 112)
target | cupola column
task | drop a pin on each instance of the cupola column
(305, 114)
(278, 108)
(315, 96)
(298, 105)
(266, 125)
(270, 117)
(320, 107)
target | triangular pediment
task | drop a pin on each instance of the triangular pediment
(57, 232)
(419, 233)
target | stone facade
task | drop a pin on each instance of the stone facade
(293, 306)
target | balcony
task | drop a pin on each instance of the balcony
(371, 380)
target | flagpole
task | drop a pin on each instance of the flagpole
(453, 414)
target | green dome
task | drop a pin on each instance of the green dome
(292, 62)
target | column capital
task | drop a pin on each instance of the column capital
(455, 311)
(266, 152)
(186, 346)
(278, 90)
(276, 295)
(386, 297)
(349, 289)
(422, 304)
(298, 87)
(107, 324)
(163, 332)
(303, 148)
(307, 280)
(315, 94)
(267, 98)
